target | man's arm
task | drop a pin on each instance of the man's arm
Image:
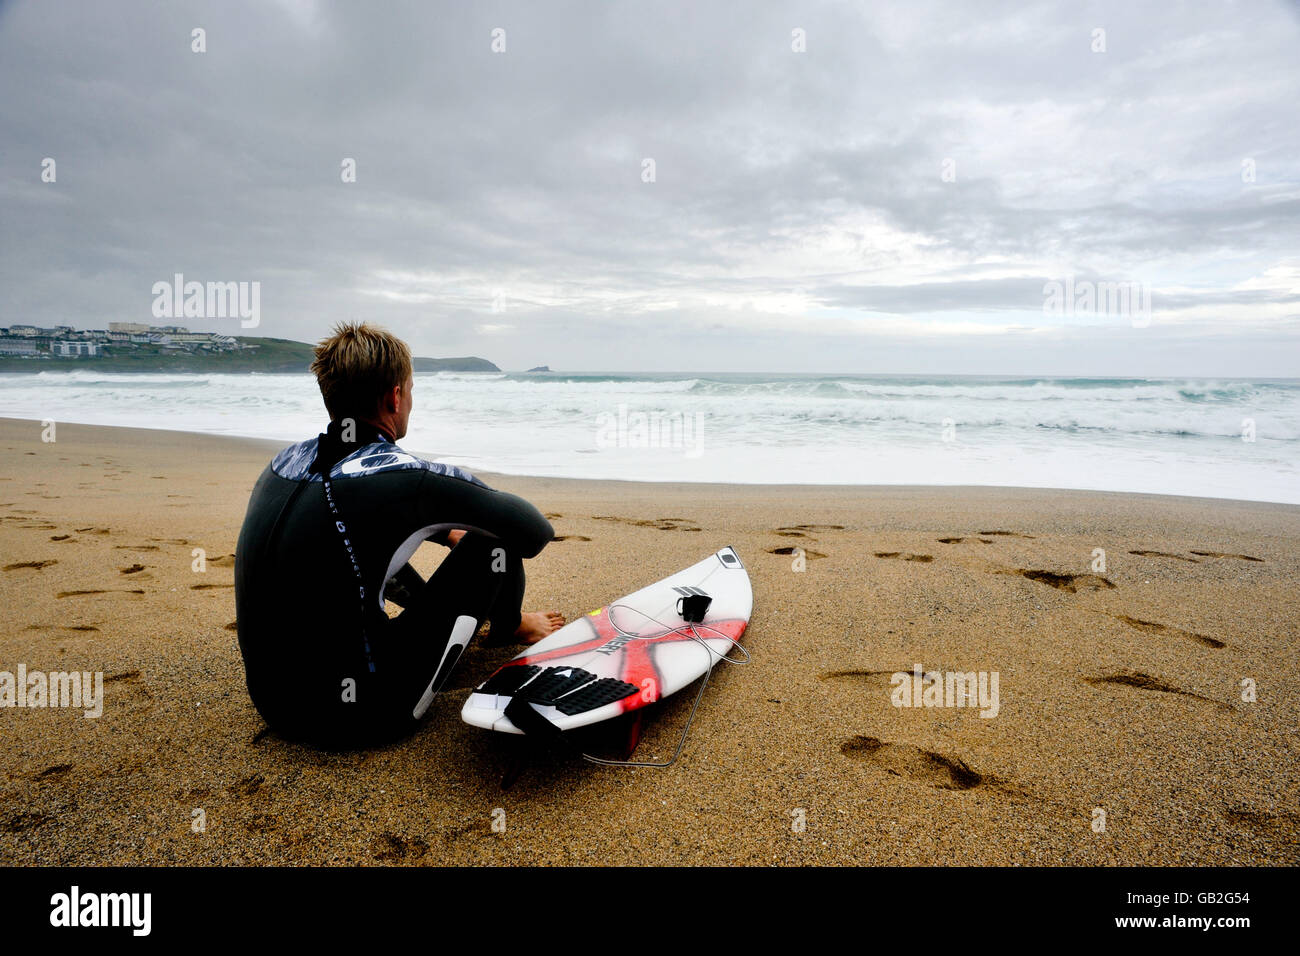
(474, 506)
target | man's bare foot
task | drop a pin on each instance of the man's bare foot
(535, 625)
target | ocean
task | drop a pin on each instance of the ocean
(1221, 438)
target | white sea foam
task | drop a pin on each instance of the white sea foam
(1162, 436)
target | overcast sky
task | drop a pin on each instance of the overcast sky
(800, 218)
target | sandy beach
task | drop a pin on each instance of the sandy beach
(1120, 691)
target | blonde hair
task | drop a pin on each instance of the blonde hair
(356, 366)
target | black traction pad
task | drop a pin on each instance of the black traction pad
(508, 679)
(553, 683)
(596, 694)
(571, 690)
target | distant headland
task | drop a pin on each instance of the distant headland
(136, 347)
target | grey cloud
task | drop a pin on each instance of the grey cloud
(482, 171)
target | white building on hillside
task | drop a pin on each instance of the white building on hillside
(68, 349)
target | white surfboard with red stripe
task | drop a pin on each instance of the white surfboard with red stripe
(624, 656)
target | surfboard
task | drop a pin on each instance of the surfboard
(624, 656)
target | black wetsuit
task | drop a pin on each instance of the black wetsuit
(319, 667)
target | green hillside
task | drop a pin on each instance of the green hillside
(271, 355)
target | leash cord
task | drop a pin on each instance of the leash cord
(695, 636)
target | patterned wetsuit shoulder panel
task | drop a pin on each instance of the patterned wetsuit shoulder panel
(294, 463)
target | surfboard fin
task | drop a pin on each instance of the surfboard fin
(633, 733)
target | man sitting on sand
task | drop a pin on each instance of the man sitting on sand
(330, 526)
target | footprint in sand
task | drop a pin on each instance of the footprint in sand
(1152, 627)
(913, 763)
(551, 516)
(662, 524)
(861, 675)
(1007, 534)
(809, 554)
(1221, 554)
(1142, 681)
(17, 822)
(29, 564)
(249, 785)
(61, 537)
(132, 569)
(1283, 826)
(1064, 582)
(208, 587)
(93, 531)
(135, 547)
(65, 594)
(25, 523)
(393, 848)
(923, 558)
(1165, 554)
(570, 537)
